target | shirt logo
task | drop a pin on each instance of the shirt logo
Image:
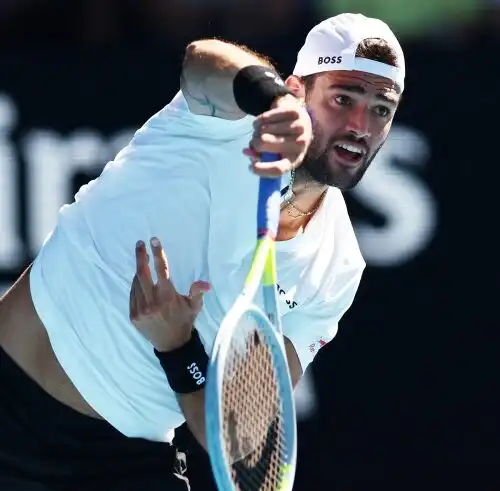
(329, 60)
(317, 345)
(282, 293)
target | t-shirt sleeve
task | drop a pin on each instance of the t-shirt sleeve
(205, 126)
(312, 327)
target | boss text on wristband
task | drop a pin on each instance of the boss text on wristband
(185, 367)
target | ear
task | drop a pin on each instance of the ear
(296, 85)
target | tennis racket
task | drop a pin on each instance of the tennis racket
(250, 412)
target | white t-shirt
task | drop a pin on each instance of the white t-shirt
(184, 179)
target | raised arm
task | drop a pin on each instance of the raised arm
(208, 73)
(227, 81)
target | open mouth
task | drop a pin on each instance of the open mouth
(348, 153)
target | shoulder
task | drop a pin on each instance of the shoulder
(343, 233)
(177, 140)
(205, 125)
(340, 260)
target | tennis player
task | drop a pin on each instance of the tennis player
(93, 377)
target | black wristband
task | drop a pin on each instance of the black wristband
(185, 367)
(255, 88)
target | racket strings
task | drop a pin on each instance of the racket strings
(253, 431)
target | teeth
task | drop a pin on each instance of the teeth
(351, 148)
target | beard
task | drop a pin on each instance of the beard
(319, 164)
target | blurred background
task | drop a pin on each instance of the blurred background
(406, 395)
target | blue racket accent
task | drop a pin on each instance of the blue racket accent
(267, 210)
(269, 157)
(268, 215)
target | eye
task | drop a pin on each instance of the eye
(382, 111)
(343, 100)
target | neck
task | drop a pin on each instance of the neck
(307, 195)
(305, 185)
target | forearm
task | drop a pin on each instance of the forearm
(209, 69)
(193, 408)
(193, 405)
(184, 361)
(185, 364)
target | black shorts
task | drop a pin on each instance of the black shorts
(46, 446)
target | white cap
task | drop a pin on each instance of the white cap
(332, 45)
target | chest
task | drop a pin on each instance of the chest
(232, 239)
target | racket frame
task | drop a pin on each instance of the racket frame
(214, 390)
(263, 273)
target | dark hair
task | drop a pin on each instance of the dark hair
(375, 49)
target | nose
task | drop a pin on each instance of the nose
(358, 121)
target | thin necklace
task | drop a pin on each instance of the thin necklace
(292, 210)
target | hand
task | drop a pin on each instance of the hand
(286, 130)
(158, 311)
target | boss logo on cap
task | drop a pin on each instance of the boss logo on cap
(329, 60)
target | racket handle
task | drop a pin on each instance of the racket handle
(268, 205)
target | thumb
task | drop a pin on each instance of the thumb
(271, 169)
(195, 297)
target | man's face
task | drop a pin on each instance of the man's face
(352, 114)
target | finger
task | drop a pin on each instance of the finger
(143, 272)
(250, 152)
(282, 145)
(143, 305)
(271, 169)
(286, 128)
(196, 292)
(165, 289)
(278, 115)
(133, 307)
(141, 258)
(199, 288)
(160, 260)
